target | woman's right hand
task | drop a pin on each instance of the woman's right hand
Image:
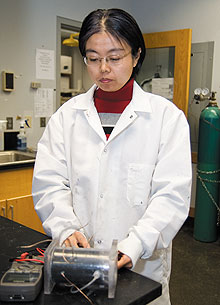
(77, 240)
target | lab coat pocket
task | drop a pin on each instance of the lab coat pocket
(139, 183)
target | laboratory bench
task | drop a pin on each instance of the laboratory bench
(16, 174)
(132, 288)
(13, 159)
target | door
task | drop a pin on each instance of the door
(65, 27)
(177, 45)
(200, 77)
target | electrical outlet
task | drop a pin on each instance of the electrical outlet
(42, 122)
(9, 123)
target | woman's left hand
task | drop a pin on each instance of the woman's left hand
(124, 260)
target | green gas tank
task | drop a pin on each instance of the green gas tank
(208, 174)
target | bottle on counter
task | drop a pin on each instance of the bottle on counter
(21, 137)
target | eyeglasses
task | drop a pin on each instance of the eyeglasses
(112, 60)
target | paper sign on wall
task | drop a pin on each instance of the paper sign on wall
(43, 102)
(44, 64)
(163, 87)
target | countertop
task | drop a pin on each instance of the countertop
(132, 288)
(13, 159)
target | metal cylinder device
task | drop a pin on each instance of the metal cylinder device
(81, 267)
(208, 174)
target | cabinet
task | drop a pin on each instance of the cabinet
(65, 78)
(66, 64)
(3, 208)
(15, 182)
(16, 201)
(71, 74)
(21, 209)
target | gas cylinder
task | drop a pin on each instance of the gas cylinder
(208, 174)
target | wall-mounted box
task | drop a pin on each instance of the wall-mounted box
(64, 83)
(66, 64)
(35, 85)
(7, 81)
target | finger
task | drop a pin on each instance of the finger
(83, 242)
(67, 243)
(71, 241)
(124, 261)
(121, 264)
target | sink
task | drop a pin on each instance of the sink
(15, 157)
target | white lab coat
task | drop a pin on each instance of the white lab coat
(135, 187)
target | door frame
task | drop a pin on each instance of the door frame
(68, 24)
(181, 40)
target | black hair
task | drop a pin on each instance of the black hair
(120, 24)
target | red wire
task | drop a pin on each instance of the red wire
(25, 254)
(40, 251)
(29, 260)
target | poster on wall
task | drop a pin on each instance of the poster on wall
(163, 87)
(43, 102)
(45, 64)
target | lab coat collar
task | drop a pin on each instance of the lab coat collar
(85, 100)
(140, 100)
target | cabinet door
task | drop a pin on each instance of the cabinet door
(15, 182)
(3, 208)
(21, 209)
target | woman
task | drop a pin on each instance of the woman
(114, 163)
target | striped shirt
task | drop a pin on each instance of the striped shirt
(110, 105)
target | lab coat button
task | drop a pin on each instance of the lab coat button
(101, 195)
(99, 241)
(105, 150)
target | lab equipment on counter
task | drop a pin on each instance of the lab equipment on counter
(80, 267)
(22, 282)
(21, 137)
(207, 210)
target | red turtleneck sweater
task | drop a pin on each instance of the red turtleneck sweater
(110, 105)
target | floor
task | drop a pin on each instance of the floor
(195, 278)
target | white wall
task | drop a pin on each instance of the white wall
(29, 24)
(201, 16)
(26, 25)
